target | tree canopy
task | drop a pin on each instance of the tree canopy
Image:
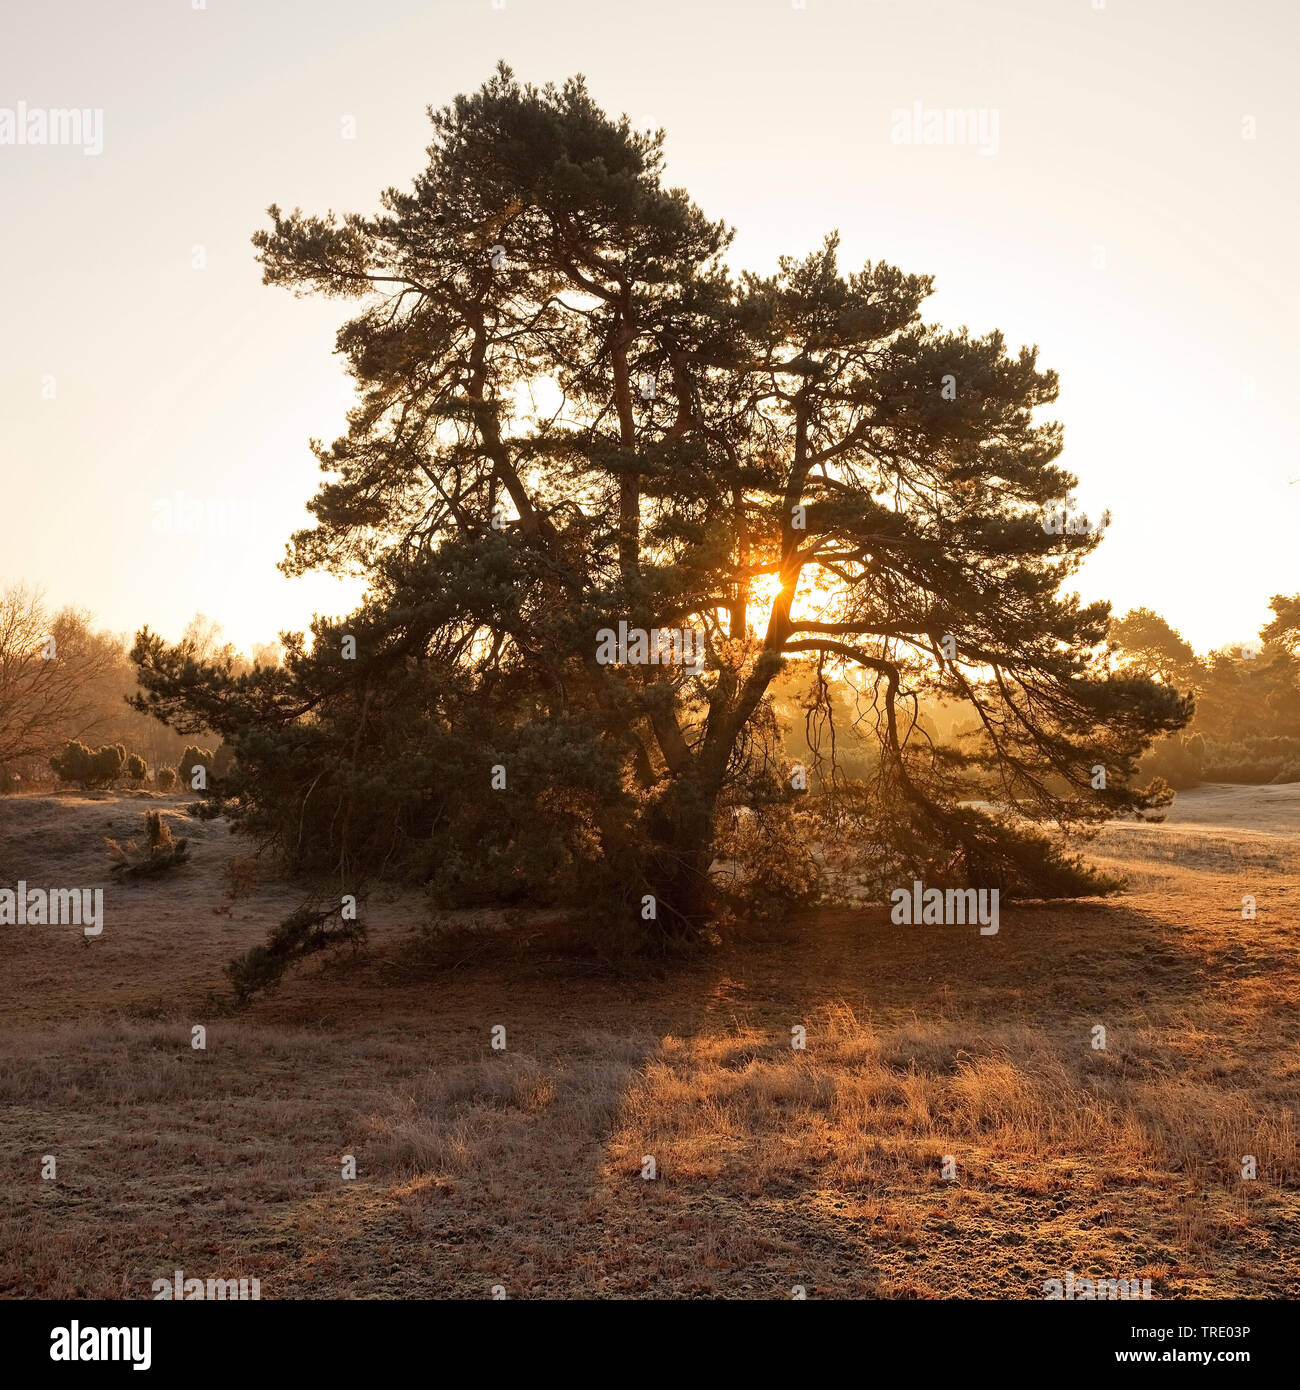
(573, 414)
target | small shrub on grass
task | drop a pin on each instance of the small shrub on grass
(158, 853)
(240, 875)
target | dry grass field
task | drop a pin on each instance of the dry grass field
(775, 1167)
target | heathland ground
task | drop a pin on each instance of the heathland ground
(775, 1167)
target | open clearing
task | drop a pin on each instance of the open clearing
(522, 1167)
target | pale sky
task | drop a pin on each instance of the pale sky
(1121, 222)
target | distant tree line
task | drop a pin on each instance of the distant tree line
(64, 716)
(1246, 725)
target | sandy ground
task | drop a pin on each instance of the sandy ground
(522, 1168)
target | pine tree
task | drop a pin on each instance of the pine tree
(796, 467)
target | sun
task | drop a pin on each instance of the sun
(813, 595)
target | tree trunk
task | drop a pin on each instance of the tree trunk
(681, 834)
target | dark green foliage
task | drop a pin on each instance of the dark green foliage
(108, 764)
(1252, 760)
(301, 934)
(79, 764)
(74, 764)
(1179, 760)
(767, 870)
(972, 848)
(191, 758)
